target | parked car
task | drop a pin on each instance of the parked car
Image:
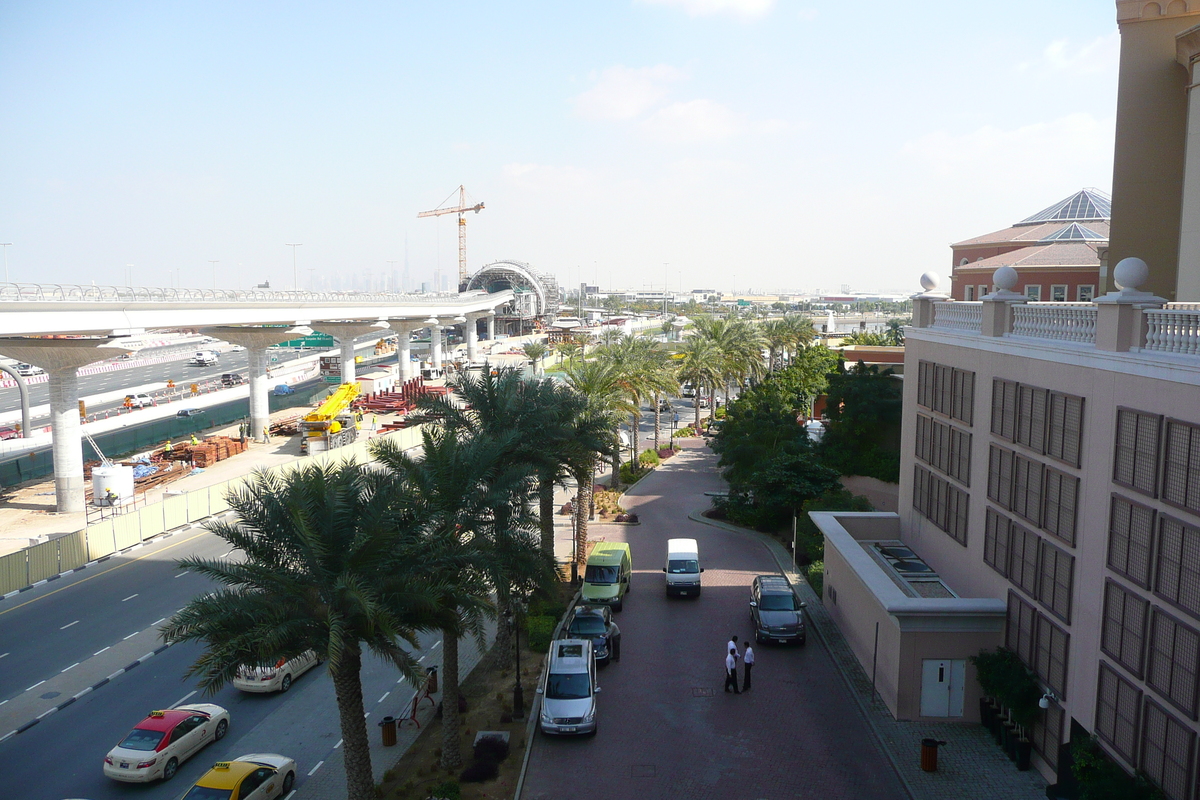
(569, 689)
(162, 741)
(596, 623)
(664, 405)
(255, 776)
(189, 412)
(277, 678)
(282, 390)
(776, 613)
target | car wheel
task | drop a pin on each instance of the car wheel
(288, 783)
(802, 641)
(618, 607)
(222, 729)
(757, 638)
(286, 684)
(170, 769)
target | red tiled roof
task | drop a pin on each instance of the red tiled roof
(1027, 233)
(1055, 254)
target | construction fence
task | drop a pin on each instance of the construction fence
(47, 559)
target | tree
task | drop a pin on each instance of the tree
(807, 377)
(568, 349)
(863, 435)
(535, 352)
(698, 366)
(334, 560)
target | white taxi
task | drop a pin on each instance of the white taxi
(257, 776)
(277, 678)
(163, 740)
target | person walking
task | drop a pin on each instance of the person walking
(732, 645)
(731, 671)
(747, 666)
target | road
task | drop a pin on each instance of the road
(65, 629)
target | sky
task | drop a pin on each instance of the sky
(739, 145)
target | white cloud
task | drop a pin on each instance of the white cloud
(1098, 57)
(624, 93)
(702, 8)
(542, 177)
(694, 121)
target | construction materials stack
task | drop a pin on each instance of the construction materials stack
(335, 422)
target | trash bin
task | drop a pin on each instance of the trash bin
(929, 749)
(388, 726)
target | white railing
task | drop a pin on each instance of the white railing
(1173, 330)
(40, 292)
(959, 316)
(1064, 322)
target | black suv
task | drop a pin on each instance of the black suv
(232, 379)
(775, 612)
(596, 624)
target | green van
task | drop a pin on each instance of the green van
(607, 575)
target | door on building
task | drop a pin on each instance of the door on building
(942, 687)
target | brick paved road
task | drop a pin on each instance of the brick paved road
(666, 728)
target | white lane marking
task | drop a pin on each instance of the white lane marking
(436, 645)
(4, 655)
(14, 733)
(339, 744)
(31, 688)
(130, 636)
(152, 624)
(2, 703)
(180, 575)
(183, 699)
(289, 797)
(127, 599)
(69, 624)
(380, 700)
(98, 652)
(73, 666)
(227, 555)
(310, 772)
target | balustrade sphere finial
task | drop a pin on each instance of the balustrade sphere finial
(1005, 278)
(930, 281)
(1130, 273)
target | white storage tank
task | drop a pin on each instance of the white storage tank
(117, 478)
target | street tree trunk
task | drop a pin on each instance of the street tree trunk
(696, 405)
(347, 687)
(451, 747)
(615, 481)
(657, 422)
(546, 512)
(583, 502)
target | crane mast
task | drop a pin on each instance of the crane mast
(461, 209)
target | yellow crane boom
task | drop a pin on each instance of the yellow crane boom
(461, 209)
(334, 405)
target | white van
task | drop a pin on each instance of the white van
(204, 358)
(683, 567)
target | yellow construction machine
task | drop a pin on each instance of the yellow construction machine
(334, 423)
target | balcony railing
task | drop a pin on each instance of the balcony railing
(1173, 329)
(965, 316)
(1064, 322)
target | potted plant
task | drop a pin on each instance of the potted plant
(986, 664)
(1024, 754)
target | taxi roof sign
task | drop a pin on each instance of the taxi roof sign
(221, 765)
(158, 714)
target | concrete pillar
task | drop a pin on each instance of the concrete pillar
(922, 303)
(997, 306)
(491, 326)
(260, 388)
(404, 329)
(349, 374)
(346, 333)
(1120, 324)
(472, 332)
(1187, 282)
(67, 445)
(435, 343)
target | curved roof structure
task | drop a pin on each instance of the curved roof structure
(1086, 204)
(523, 280)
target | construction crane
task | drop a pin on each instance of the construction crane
(462, 209)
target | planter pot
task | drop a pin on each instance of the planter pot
(1010, 740)
(987, 713)
(998, 729)
(1024, 754)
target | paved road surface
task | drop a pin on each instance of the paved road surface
(667, 730)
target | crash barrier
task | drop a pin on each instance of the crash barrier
(42, 561)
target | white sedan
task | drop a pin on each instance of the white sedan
(163, 740)
(277, 678)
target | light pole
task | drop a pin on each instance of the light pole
(295, 275)
(214, 263)
(6, 245)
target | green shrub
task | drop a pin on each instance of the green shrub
(815, 573)
(1099, 778)
(649, 458)
(720, 413)
(540, 631)
(546, 606)
(450, 790)
(685, 433)
(629, 475)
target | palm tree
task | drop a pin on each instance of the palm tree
(334, 559)
(777, 332)
(568, 349)
(472, 501)
(699, 367)
(535, 352)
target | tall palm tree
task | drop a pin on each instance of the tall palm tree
(700, 367)
(471, 500)
(568, 349)
(334, 560)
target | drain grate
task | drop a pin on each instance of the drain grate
(642, 771)
(699, 691)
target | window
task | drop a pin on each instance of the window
(941, 502)
(1117, 705)
(1135, 459)
(1085, 294)
(1166, 750)
(1046, 732)
(962, 406)
(1177, 571)
(921, 478)
(968, 293)
(923, 449)
(1027, 489)
(960, 456)
(1181, 465)
(1056, 577)
(1058, 292)
(1019, 625)
(1171, 661)
(958, 506)
(1000, 476)
(1050, 656)
(983, 289)
(943, 387)
(1123, 630)
(944, 447)
(1031, 417)
(1064, 438)
(1130, 533)
(1060, 496)
(962, 262)
(924, 383)
(1023, 558)
(1033, 291)
(1004, 408)
(995, 541)
(946, 390)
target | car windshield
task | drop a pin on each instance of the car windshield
(683, 566)
(568, 686)
(207, 793)
(588, 624)
(139, 739)
(777, 602)
(595, 574)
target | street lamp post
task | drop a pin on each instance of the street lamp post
(295, 274)
(6, 245)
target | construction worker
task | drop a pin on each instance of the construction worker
(167, 447)
(195, 441)
(266, 433)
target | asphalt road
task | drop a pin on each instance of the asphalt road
(67, 625)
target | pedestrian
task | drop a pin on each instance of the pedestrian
(747, 666)
(266, 434)
(731, 671)
(195, 441)
(732, 645)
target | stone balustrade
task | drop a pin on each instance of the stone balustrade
(1065, 322)
(1173, 330)
(964, 316)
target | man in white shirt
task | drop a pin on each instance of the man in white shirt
(732, 645)
(731, 671)
(748, 665)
